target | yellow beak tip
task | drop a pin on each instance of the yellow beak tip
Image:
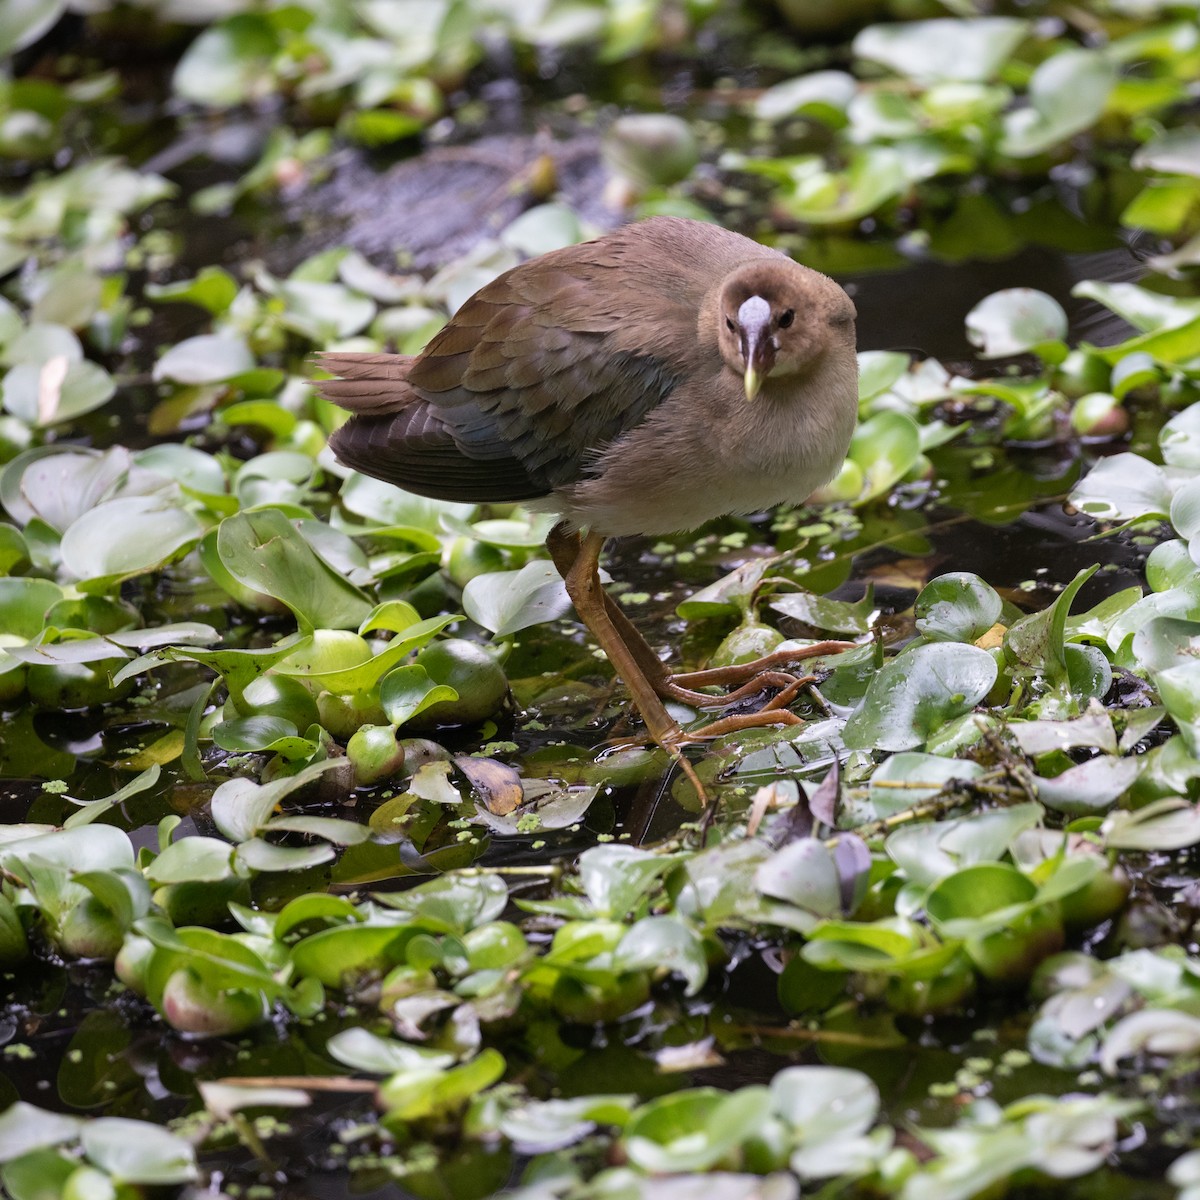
(752, 383)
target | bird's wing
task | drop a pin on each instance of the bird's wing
(555, 359)
(541, 369)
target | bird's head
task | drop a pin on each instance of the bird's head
(776, 317)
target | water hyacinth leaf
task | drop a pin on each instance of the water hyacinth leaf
(263, 551)
(1014, 321)
(229, 63)
(222, 1100)
(1090, 787)
(22, 22)
(138, 1151)
(616, 878)
(334, 955)
(323, 312)
(1122, 488)
(665, 942)
(365, 1051)
(57, 390)
(452, 904)
(190, 467)
(408, 690)
(1165, 642)
(968, 50)
(1153, 1031)
(212, 288)
(100, 848)
(387, 505)
(1133, 372)
(417, 1094)
(1089, 676)
(1038, 640)
(24, 604)
(694, 1129)
(1167, 824)
(192, 859)
(835, 616)
(878, 370)
(1179, 440)
(540, 1126)
(915, 694)
(506, 602)
(260, 855)
(1145, 310)
(1067, 93)
(956, 607)
(927, 853)
(25, 1128)
(332, 829)
(1175, 152)
(820, 94)
(1093, 729)
(393, 615)
(908, 778)
(59, 486)
(873, 176)
(208, 358)
(805, 874)
(886, 447)
(730, 596)
(90, 810)
(125, 537)
(241, 808)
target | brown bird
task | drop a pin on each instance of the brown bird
(665, 374)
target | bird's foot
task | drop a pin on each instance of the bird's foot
(744, 679)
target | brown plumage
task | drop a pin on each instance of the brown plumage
(645, 382)
(604, 380)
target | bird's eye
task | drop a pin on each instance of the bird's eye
(730, 325)
(787, 318)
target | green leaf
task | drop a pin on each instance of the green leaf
(263, 551)
(1014, 321)
(664, 943)
(956, 607)
(508, 601)
(1038, 640)
(25, 1128)
(138, 1151)
(915, 694)
(408, 690)
(1123, 488)
(967, 49)
(22, 22)
(1067, 94)
(127, 536)
(835, 616)
(229, 63)
(208, 358)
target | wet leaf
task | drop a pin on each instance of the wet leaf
(508, 601)
(498, 785)
(138, 1152)
(915, 694)
(1014, 321)
(263, 551)
(957, 607)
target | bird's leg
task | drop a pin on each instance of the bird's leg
(747, 679)
(564, 549)
(593, 605)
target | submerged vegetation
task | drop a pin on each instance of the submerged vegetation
(330, 845)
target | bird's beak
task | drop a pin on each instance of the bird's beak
(753, 381)
(758, 350)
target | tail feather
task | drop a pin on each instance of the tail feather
(372, 384)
